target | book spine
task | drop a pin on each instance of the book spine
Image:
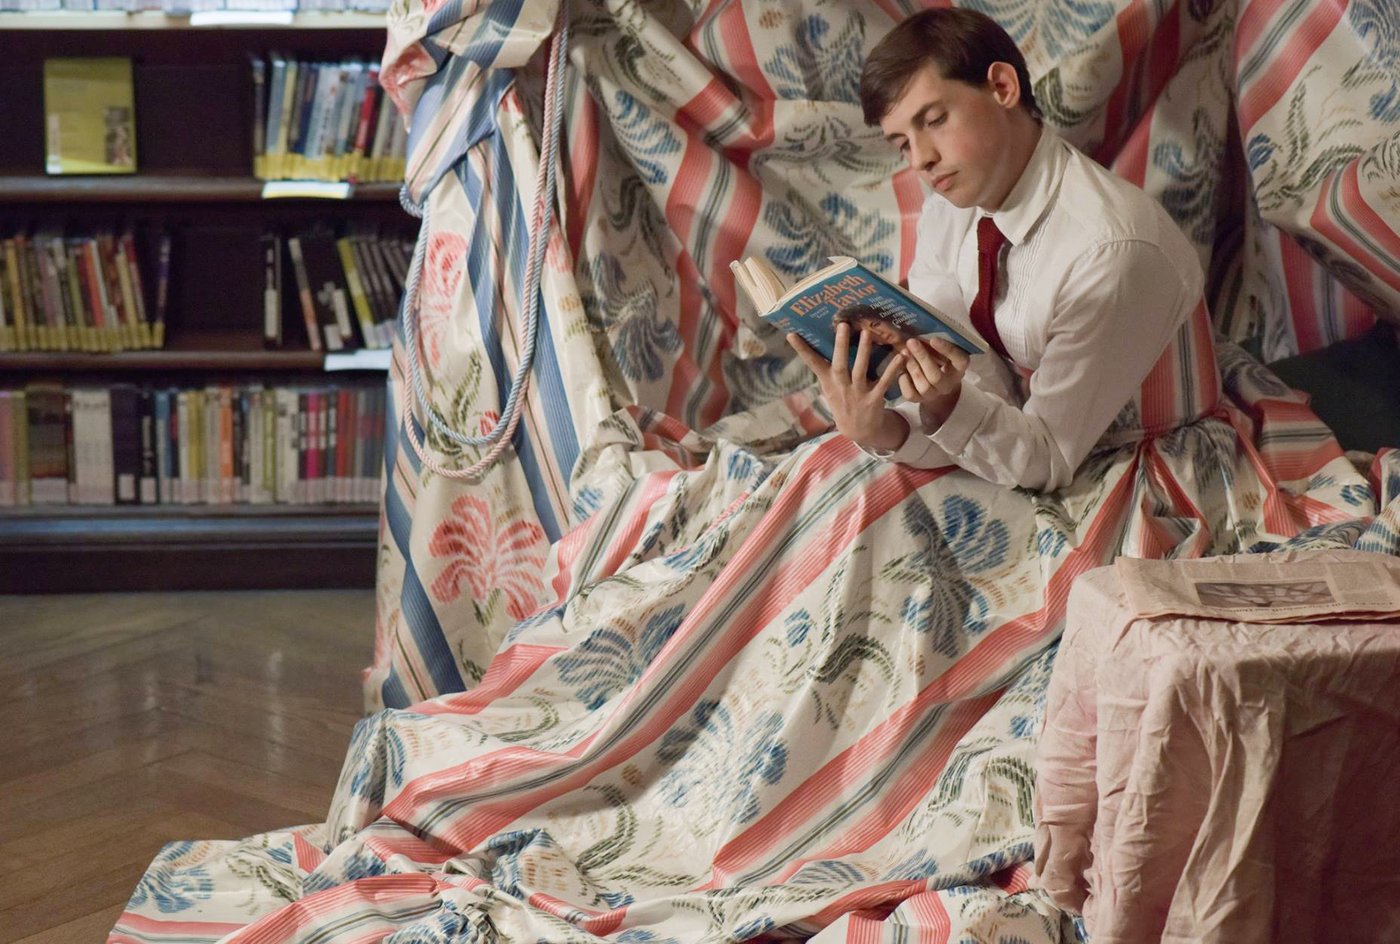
(308, 304)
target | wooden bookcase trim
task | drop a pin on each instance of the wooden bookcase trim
(154, 20)
(163, 188)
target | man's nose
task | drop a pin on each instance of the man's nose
(922, 154)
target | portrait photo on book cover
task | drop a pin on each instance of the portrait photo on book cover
(117, 121)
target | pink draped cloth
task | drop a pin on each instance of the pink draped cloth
(1221, 783)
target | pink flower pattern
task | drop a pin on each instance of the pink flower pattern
(510, 559)
(443, 265)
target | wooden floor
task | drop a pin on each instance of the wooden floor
(128, 720)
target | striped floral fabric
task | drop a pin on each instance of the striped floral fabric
(685, 667)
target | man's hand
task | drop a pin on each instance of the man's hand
(932, 378)
(857, 404)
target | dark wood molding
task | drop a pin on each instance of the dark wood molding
(74, 549)
(192, 187)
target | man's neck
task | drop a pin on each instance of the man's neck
(1026, 135)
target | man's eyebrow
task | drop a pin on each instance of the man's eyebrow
(917, 119)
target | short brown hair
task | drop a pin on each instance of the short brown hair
(962, 43)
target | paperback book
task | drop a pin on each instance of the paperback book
(846, 291)
(90, 116)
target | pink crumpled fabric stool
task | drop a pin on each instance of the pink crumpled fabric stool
(1213, 781)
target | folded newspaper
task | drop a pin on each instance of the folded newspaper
(1292, 587)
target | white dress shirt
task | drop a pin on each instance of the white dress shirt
(1094, 282)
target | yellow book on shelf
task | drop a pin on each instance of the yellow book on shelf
(90, 116)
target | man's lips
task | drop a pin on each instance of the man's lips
(943, 181)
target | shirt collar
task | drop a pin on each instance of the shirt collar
(1030, 198)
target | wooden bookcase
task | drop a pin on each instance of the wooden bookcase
(194, 113)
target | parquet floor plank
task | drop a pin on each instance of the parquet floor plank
(131, 720)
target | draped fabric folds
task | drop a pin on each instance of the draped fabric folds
(686, 666)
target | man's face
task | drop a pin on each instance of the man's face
(958, 137)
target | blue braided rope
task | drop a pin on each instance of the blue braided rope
(539, 239)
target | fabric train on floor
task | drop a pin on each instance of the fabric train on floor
(684, 666)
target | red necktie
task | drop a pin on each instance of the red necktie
(989, 243)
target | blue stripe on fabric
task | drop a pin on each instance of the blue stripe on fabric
(514, 238)
(479, 124)
(422, 622)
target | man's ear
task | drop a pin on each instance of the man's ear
(1004, 83)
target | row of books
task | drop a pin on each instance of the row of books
(324, 121)
(347, 290)
(80, 293)
(221, 444)
(196, 6)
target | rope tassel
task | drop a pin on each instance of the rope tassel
(503, 430)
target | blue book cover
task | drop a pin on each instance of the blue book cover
(846, 291)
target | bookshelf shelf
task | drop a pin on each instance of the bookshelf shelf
(87, 21)
(163, 188)
(57, 549)
(195, 206)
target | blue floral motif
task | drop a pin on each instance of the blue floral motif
(1063, 24)
(820, 66)
(1375, 20)
(1024, 727)
(639, 343)
(752, 929)
(1049, 542)
(644, 135)
(587, 501)
(172, 885)
(1357, 495)
(380, 763)
(1259, 151)
(745, 467)
(799, 625)
(919, 864)
(639, 333)
(807, 242)
(707, 748)
(978, 541)
(608, 661)
(337, 871)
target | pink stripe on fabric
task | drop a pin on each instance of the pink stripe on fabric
(1363, 216)
(308, 856)
(881, 899)
(1314, 512)
(508, 669)
(963, 677)
(786, 580)
(1130, 162)
(582, 145)
(934, 925)
(395, 840)
(366, 893)
(834, 780)
(1252, 22)
(139, 923)
(909, 197)
(1287, 63)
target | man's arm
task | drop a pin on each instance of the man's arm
(1118, 310)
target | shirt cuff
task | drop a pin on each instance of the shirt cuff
(918, 451)
(888, 454)
(969, 413)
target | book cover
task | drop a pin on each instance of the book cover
(90, 116)
(847, 291)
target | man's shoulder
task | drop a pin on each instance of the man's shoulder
(1100, 208)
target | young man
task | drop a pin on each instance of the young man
(1077, 279)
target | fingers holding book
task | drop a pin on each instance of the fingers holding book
(857, 401)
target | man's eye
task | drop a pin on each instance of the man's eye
(935, 122)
